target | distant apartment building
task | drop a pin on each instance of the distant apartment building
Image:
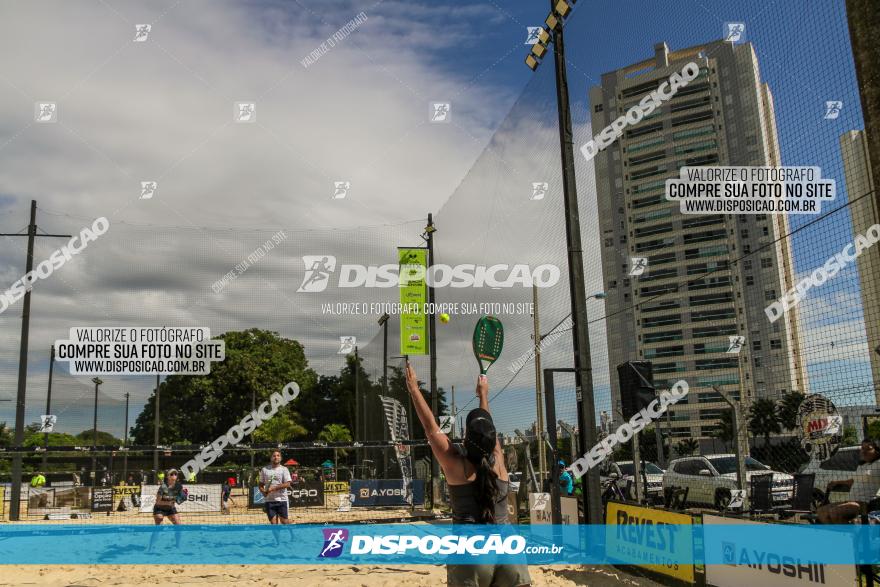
(864, 213)
(681, 311)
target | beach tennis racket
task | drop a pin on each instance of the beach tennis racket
(488, 340)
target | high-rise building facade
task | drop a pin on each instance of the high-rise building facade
(680, 308)
(864, 213)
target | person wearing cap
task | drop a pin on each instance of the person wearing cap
(477, 479)
(170, 494)
(566, 481)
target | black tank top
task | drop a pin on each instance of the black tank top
(466, 509)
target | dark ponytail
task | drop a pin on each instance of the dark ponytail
(487, 488)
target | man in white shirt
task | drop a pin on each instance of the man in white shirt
(274, 482)
(863, 488)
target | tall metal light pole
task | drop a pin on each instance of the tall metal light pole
(156, 430)
(358, 433)
(97, 381)
(15, 495)
(539, 399)
(48, 406)
(582, 362)
(432, 351)
(125, 442)
(383, 322)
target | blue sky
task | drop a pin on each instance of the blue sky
(134, 111)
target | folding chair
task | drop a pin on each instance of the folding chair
(801, 497)
(761, 494)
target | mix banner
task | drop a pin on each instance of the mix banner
(199, 498)
(413, 295)
(398, 429)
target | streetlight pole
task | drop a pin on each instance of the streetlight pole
(358, 433)
(539, 400)
(15, 495)
(125, 442)
(383, 322)
(48, 406)
(432, 351)
(97, 381)
(156, 430)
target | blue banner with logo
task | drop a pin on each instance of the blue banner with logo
(428, 544)
(386, 492)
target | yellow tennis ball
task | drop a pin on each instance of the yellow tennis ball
(444, 318)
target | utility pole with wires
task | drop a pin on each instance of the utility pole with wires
(18, 440)
(539, 400)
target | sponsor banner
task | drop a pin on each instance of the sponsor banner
(656, 539)
(413, 290)
(306, 494)
(819, 427)
(199, 498)
(407, 543)
(754, 565)
(102, 499)
(336, 487)
(126, 497)
(395, 416)
(386, 492)
(2, 501)
(540, 508)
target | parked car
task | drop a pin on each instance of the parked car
(711, 478)
(840, 467)
(624, 472)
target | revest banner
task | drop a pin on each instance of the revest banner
(336, 487)
(378, 492)
(199, 498)
(757, 567)
(653, 536)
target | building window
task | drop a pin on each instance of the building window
(609, 242)
(756, 345)
(765, 231)
(747, 265)
(775, 344)
(744, 233)
(598, 108)
(766, 262)
(757, 361)
(770, 295)
(750, 280)
(612, 284)
(747, 249)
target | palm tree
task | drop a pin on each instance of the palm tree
(281, 428)
(788, 409)
(335, 433)
(687, 447)
(724, 431)
(764, 419)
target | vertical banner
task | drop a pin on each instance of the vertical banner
(413, 295)
(398, 430)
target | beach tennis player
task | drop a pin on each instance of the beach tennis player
(274, 483)
(477, 479)
(170, 494)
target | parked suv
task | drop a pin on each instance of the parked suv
(624, 472)
(711, 478)
(839, 467)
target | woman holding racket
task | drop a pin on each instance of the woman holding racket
(477, 479)
(170, 494)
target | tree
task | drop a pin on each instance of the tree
(788, 409)
(87, 437)
(764, 419)
(200, 408)
(282, 427)
(687, 447)
(6, 436)
(850, 436)
(724, 431)
(335, 433)
(874, 430)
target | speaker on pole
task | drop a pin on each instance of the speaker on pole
(636, 386)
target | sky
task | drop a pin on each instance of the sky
(162, 110)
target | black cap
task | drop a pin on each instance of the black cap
(480, 435)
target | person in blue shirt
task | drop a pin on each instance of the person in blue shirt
(566, 481)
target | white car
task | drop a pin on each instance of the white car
(711, 478)
(839, 467)
(624, 472)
